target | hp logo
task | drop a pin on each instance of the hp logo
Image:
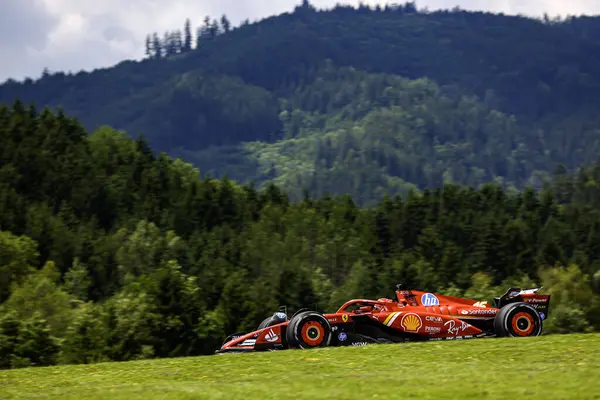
(429, 299)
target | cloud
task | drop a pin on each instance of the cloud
(24, 29)
(526, 7)
(71, 35)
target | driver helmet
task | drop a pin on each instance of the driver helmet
(385, 300)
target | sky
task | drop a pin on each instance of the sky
(74, 35)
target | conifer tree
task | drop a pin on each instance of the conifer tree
(214, 28)
(148, 46)
(225, 24)
(187, 36)
(156, 46)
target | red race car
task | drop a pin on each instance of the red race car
(414, 316)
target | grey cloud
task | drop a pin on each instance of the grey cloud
(24, 23)
(118, 33)
(527, 7)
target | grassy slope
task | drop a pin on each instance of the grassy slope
(549, 367)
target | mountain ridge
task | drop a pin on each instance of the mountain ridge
(236, 89)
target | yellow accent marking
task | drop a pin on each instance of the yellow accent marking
(389, 317)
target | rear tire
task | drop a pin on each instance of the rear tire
(308, 330)
(518, 320)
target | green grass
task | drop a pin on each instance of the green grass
(548, 367)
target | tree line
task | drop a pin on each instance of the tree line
(110, 251)
(506, 99)
(178, 41)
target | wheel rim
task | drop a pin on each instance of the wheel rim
(313, 333)
(523, 324)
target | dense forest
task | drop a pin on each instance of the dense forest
(299, 160)
(366, 101)
(109, 251)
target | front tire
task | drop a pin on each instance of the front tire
(518, 320)
(308, 330)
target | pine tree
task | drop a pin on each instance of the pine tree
(206, 26)
(187, 39)
(148, 46)
(177, 42)
(156, 46)
(167, 44)
(214, 28)
(198, 37)
(225, 24)
(203, 32)
(410, 7)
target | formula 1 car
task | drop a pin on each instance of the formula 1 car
(415, 316)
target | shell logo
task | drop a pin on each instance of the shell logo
(411, 322)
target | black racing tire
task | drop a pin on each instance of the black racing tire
(308, 330)
(518, 320)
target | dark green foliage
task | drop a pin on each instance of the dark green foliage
(139, 256)
(26, 342)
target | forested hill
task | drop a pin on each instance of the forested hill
(108, 252)
(355, 100)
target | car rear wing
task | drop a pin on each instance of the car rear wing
(541, 302)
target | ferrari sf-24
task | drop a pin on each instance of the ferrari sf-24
(414, 316)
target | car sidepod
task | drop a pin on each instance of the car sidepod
(400, 326)
(430, 326)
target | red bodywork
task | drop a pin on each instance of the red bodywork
(414, 315)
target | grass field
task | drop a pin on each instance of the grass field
(548, 367)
